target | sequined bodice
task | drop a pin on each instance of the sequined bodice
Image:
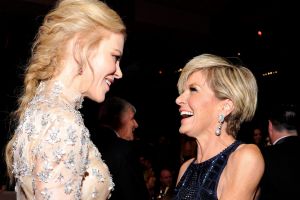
(200, 181)
(54, 157)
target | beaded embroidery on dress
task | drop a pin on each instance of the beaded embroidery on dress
(54, 157)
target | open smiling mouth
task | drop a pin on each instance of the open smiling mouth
(186, 114)
(108, 82)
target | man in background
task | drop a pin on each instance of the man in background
(166, 184)
(281, 179)
(114, 138)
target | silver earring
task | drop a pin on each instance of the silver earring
(220, 121)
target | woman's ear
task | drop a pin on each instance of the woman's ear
(227, 107)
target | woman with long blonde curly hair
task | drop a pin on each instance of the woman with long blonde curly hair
(75, 54)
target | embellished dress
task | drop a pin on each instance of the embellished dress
(200, 181)
(54, 157)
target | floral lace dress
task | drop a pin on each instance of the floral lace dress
(54, 157)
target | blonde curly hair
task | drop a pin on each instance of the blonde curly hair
(88, 19)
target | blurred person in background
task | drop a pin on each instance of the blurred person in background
(165, 185)
(259, 138)
(281, 179)
(114, 135)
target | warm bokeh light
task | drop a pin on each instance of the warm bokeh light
(179, 70)
(270, 73)
(259, 33)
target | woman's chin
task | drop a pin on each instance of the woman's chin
(182, 131)
(98, 99)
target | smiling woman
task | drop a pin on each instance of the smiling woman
(75, 55)
(215, 98)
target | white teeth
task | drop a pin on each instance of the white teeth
(108, 82)
(186, 113)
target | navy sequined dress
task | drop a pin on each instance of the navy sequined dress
(200, 181)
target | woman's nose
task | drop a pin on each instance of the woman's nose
(118, 74)
(136, 124)
(179, 99)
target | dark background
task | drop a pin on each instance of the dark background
(162, 36)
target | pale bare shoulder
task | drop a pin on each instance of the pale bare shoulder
(246, 157)
(183, 168)
(243, 172)
(248, 154)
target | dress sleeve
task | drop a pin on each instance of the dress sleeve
(61, 158)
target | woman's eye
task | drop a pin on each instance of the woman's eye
(117, 58)
(193, 89)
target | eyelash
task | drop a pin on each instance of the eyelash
(117, 58)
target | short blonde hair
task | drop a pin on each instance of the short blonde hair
(227, 81)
